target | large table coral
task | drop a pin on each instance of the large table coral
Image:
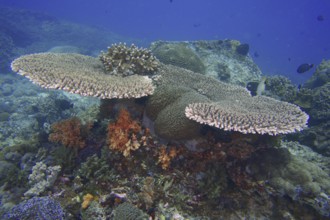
(200, 98)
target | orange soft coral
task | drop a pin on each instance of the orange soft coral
(69, 132)
(122, 134)
(165, 156)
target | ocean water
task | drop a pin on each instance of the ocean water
(84, 153)
(284, 34)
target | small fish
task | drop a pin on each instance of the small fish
(304, 67)
(171, 1)
(261, 86)
(256, 54)
(320, 18)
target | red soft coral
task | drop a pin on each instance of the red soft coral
(122, 133)
(69, 132)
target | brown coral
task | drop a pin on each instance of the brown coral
(69, 132)
(125, 61)
(256, 115)
(80, 74)
(165, 156)
(122, 134)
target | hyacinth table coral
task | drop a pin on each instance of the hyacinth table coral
(221, 105)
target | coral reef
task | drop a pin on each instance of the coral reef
(94, 211)
(87, 199)
(256, 115)
(243, 49)
(36, 208)
(178, 54)
(147, 194)
(125, 173)
(280, 87)
(129, 212)
(125, 61)
(166, 107)
(80, 74)
(218, 59)
(41, 178)
(293, 176)
(166, 155)
(122, 134)
(320, 77)
(96, 169)
(70, 132)
(219, 104)
(223, 62)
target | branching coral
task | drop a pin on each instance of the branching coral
(70, 133)
(41, 178)
(125, 61)
(122, 134)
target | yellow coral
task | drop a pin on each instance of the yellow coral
(87, 199)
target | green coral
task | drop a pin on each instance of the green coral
(214, 181)
(166, 107)
(290, 175)
(321, 76)
(280, 87)
(178, 54)
(97, 169)
(128, 211)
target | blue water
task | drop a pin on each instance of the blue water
(283, 33)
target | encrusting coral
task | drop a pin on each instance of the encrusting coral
(41, 178)
(70, 133)
(178, 54)
(122, 134)
(125, 61)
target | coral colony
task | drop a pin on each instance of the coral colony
(168, 141)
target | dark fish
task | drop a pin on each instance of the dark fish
(320, 18)
(289, 59)
(304, 67)
(196, 25)
(243, 49)
(171, 1)
(256, 54)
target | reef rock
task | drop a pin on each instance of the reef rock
(217, 58)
